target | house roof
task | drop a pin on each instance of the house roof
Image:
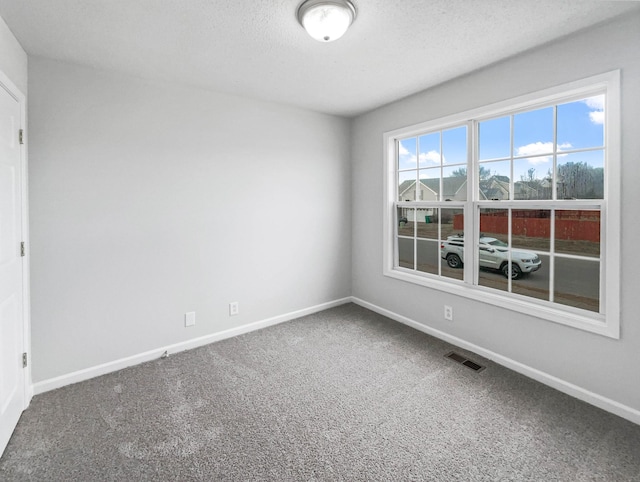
(496, 187)
(451, 185)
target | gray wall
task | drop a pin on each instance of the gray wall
(13, 59)
(148, 201)
(604, 366)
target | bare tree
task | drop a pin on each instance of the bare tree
(579, 180)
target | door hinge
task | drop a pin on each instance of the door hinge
(21, 136)
(24, 360)
(22, 248)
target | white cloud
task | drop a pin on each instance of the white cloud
(597, 117)
(537, 149)
(430, 157)
(564, 145)
(406, 156)
(597, 104)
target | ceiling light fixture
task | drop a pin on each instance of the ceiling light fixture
(326, 20)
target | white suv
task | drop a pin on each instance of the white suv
(494, 254)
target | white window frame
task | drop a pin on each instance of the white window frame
(607, 322)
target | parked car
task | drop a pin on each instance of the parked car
(493, 254)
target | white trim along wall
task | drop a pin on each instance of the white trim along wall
(580, 393)
(115, 365)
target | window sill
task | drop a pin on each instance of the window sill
(580, 319)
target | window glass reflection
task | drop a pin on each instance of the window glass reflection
(407, 158)
(427, 256)
(495, 138)
(454, 146)
(577, 283)
(581, 123)
(430, 155)
(405, 218)
(581, 175)
(407, 185)
(405, 253)
(578, 232)
(452, 244)
(533, 132)
(494, 180)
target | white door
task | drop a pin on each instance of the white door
(12, 373)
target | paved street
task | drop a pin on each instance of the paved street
(576, 281)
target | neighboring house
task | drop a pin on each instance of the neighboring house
(522, 190)
(455, 189)
(495, 188)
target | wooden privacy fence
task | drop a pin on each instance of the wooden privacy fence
(570, 225)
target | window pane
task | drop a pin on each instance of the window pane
(407, 154)
(494, 223)
(451, 222)
(532, 180)
(406, 226)
(427, 256)
(577, 283)
(535, 284)
(405, 253)
(454, 184)
(430, 150)
(533, 132)
(495, 138)
(494, 180)
(531, 229)
(454, 146)
(407, 185)
(430, 184)
(530, 235)
(578, 232)
(427, 223)
(451, 253)
(581, 175)
(536, 201)
(493, 251)
(581, 123)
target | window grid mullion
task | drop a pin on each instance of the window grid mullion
(512, 185)
(473, 205)
(552, 257)
(473, 188)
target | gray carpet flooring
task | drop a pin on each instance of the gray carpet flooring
(344, 394)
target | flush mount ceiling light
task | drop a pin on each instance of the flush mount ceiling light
(326, 20)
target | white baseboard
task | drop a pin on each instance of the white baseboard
(575, 391)
(599, 401)
(109, 367)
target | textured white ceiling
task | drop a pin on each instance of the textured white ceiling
(257, 48)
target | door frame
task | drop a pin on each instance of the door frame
(13, 90)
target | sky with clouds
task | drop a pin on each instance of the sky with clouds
(579, 125)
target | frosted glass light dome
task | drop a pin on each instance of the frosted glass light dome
(326, 20)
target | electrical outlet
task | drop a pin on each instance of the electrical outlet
(448, 313)
(234, 308)
(190, 318)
